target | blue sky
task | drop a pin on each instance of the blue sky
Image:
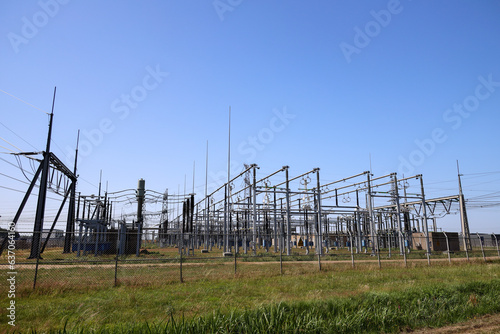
(324, 84)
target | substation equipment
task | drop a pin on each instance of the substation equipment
(278, 212)
(275, 212)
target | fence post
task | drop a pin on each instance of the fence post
(180, 262)
(482, 248)
(496, 240)
(37, 261)
(428, 251)
(466, 250)
(377, 249)
(281, 261)
(116, 258)
(447, 247)
(403, 240)
(352, 249)
(116, 270)
(390, 244)
(235, 254)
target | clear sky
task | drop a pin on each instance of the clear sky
(404, 86)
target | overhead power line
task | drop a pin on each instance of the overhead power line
(19, 191)
(8, 149)
(13, 178)
(19, 99)
(483, 173)
(24, 191)
(11, 144)
(5, 126)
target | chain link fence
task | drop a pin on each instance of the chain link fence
(112, 258)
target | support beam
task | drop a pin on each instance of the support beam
(288, 218)
(55, 221)
(141, 192)
(424, 222)
(42, 194)
(319, 245)
(23, 203)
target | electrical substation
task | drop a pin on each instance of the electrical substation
(275, 213)
(252, 212)
(278, 212)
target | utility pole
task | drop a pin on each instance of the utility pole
(207, 204)
(463, 214)
(42, 193)
(424, 221)
(164, 218)
(398, 214)
(319, 242)
(140, 202)
(288, 218)
(227, 212)
(371, 221)
(254, 209)
(70, 224)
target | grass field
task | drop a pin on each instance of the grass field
(150, 298)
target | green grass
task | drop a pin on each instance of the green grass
(371, 312)
(152, 297)
(368, 313)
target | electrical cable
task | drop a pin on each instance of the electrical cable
(483, 173)
(10, 163)
(11, 144)
(24, 191)
(13, 178)
(32, 165)
(8, 149)
(21, 167)
(5, 126)
(60, 148)
(20, 191)
(490, 195)
(17, 98)
(156, 192)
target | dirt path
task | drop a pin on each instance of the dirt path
(145, 263)
(481, 325)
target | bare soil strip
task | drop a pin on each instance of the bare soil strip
(487, 324)
(159, 263)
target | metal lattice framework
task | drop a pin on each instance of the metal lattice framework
(282, 211)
